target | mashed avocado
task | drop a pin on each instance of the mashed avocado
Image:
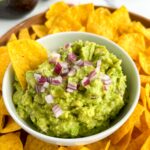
(76, 93)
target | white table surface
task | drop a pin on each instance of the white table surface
(141, 7)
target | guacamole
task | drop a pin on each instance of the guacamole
(77, 92)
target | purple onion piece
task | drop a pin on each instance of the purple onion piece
(37, 76)
(57, 111)
(42, 80)
(58, 68)
(49, 98)
(46, 84)
(72, 86)
(85, 81)
(57, 80)
(88, 63)
(107, 82)
(98, 65)
(79, 63)
(70, 90)
(72, 57)
(92, 75)
(64, 71)
(54, 58)
(39, 89)
(72, 72)
(104, 77)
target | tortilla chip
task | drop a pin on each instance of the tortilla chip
(75, 147)
(2, 121)
(124, 142)
(65, 22)
(62, 148)
(139, 141)
(146, 145)
(12, 37)
(3, 49)
(102, 144)
(10, 141)
(32, 143)
(25, 55)
(128, 125)
(145, 79)
(143, 97)
(100, 22)
(54, 11)
(40, 30)
(121, 19)
(137, 27)
(33, 36)
(11, 126)
(84, 148)
(136, 132)
(107, 145)
(147, 94)
(145, 62)
(81, 12)
(24, 34)
(143, 125)
(138, 66)
(4, 62)
(3, 109)
(133, 43)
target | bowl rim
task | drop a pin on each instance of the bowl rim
(69, 141)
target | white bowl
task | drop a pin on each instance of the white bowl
(53, 42)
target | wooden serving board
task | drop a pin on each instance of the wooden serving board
(40, 19)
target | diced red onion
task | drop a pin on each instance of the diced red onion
(38, 88)
(88, 63)
(92, 75)
(45, 85)
(37, 76)
(85, 81)
(49, 79)
(57, 80)
(42, 89)
(98, 65)
(49, 98)
(64, 64)
(72, 72)
(79, 62)
(58, 68)
(55, 57)
(42, 80)
(53, 60)
(70, 90)
(72, 57)
(107, 82)
(72, 86)
(64, 71)
(104, 77)
(57, 111)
